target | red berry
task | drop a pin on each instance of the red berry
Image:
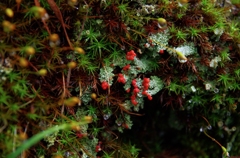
(81, 135)
(149, 97)
(130, 55)
(136, 90)
(161, 51)
(146, 80)
(134, 82)
(146, 86)
(104, 85)
(120, 75)
(134, 102)
(121, 78)
(125, 125)
(144, 92)
(127, 67)
(128, 90)
(98, 148)
(133, 97)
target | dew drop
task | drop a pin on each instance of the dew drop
(209, 127)
(193, 89)
(67, 154)
(184, 96)
(233, 128)
(106, 116)
(216, 90)
(182, 60)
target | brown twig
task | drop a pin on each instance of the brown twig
(58, 14)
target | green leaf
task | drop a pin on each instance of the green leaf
(225, 80)
(90, 35)
(12, 76)
(176, 88)
(32, 116)
(4, 97)
(98, 47)
(133, 150)
(20, 89)
(106, 155)
(14, 107)
(217, 98)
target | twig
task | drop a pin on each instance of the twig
(64, 93)
(58, 14)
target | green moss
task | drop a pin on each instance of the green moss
(163, 80)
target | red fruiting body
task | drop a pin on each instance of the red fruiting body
(144, 92)
(146, 86)
(161, 51)
(127, 67)
(133, 97)
(134, 83)
(98, 148)
(131, 55)
(136, 90)
(125, 125)
(149, 97)
(104, 85)
(134, 102)
(145, 83)
(121, 78)
(128, 90)
(80, 135)
(146, 80)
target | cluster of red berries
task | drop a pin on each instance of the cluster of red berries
(135, 91)
(145, 85)
(121, 78)
(105, 85)
(133, 100)
(131, 55)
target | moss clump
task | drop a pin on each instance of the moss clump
(162, 71)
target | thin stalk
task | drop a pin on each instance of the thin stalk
(225, 152)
